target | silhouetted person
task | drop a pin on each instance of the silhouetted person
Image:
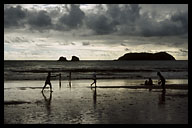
(149, 83)
(162, 81)
(95, 79)
(146, 82)
(48, 81)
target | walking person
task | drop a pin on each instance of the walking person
(95, 79)
(161, 81)
(48, 81)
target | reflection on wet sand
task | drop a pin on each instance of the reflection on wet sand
(162, 98)
(81, 104)
(94, 97)
(48, 102)
(59, 84)
(70, 84)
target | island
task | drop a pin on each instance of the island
(74, 58)
(147, 56)
(62, 58)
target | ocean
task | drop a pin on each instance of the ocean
(37, 70)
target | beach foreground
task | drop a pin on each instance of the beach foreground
(25, 104)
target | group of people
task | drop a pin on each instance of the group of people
(160, 82)
(149, 82)
(48, 82)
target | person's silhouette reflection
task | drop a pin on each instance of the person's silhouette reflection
(69, 79)
(60, 81)
(162, 98)
(48, 102)
(70, 84)
(94, 97)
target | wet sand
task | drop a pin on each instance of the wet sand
(25, 104)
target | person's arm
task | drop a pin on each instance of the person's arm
(159, 82)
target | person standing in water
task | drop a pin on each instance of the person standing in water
(48, 81)
(162, 81)
(149, 84)
(95, 79)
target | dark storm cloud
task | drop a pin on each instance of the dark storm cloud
(114, 16)
(74, 18)
(128, 20)
(18, 16)
(176, 25)
(182, 18)
(114, 19)
(39, 19)
(13, 15)
(123, 14)
(100, 24)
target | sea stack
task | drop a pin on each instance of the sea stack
(74, 58)
(62, 58)
(147, 56)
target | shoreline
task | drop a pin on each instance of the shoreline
(171, 86)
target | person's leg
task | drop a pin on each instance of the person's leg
(163, 86)
(44, 87)
(92, 83)
(50, 87)
(150, 87)
(95, 83)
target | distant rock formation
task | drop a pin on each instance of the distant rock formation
(147, 56)
(74, 58)
(62, 58)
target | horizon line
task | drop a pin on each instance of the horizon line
(87, 60)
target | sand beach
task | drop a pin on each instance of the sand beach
(79, 104)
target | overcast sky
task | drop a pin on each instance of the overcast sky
(94, 32)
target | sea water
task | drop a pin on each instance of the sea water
(37, 70)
